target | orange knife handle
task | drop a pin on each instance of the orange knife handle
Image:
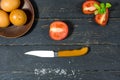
(72, 53)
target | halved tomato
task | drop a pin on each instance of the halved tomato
(102, 19)
(91, 0)
(88, 6)
(58, 30)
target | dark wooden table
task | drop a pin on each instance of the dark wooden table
(101, 63)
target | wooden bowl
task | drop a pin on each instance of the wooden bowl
(13, 31)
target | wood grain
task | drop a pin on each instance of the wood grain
(101, 63)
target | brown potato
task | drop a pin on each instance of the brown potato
(9, 5)
(4, 19)
(18, 17)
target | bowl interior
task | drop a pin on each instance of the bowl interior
(12, 31)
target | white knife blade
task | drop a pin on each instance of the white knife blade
(41, 53)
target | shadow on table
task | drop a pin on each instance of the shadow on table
(70, 27)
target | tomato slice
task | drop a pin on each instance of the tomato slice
(88, 6)
(58, 30)
(102, 19)
(91, 0)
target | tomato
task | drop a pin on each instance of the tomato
(18, 17)
(4, 19)
(88, 6)
(9, 5)
(102, 19)
(91, 0)
(58, 30)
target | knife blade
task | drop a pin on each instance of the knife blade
(61, 53)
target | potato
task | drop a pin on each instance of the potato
(9, 5)
(4, 19)
(18, 17)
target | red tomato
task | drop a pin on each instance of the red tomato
(88, 6)
(58, 30)
(102, 19)
(91, 0)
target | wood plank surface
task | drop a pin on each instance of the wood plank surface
(101, 63)
(81, 32)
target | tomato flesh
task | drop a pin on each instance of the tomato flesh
(58, 30)
(88, 6)
(102, 19)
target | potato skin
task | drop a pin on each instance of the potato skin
(18, 17)
(9, 5)
(4, 19)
